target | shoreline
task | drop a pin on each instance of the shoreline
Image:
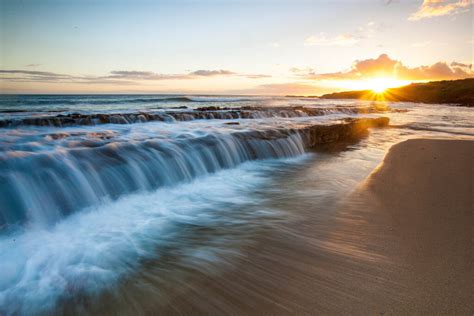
(450, 92)
(382, 251)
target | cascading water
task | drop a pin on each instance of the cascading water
(210, 113)
(41, 188)
(89, 191)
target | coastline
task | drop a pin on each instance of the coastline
(453, 92)
(400, 244)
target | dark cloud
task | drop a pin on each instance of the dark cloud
(384, 66)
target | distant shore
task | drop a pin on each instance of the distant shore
(456, 92)
(402, 243)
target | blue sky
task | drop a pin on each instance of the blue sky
(248, 38)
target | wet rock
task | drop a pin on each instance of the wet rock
(209, 108)
(212, 112)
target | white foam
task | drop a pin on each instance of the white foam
(92, 249)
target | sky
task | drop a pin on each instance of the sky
(231, 47)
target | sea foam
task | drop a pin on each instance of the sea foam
(92, 249)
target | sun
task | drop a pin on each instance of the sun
(379, 85)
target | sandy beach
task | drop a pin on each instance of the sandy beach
(402, 243)
(421, 203)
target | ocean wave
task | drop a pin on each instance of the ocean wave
(42, 188)
(46, 180)
(92, 250)
(227, 99)
(112, 100)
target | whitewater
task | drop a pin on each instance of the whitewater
(97, 190)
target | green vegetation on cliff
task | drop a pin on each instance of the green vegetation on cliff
(458, 92)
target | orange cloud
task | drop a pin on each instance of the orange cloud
(385, 67)
(433, 8)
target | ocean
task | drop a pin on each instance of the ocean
(105, 200)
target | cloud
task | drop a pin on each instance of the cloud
(31, 72)
(305, 70)
(16, 75)
(369, 29)
(256, 76)
(143, 75)
(456, 64)
(33, 65)
(115, 76)
(275, 44)
(434, 8)
(34, 75)
(384, 66)
(132, 73)
(148, 75)
(211, 73)
(302, 72)
(323, 40)
(295, 70)
(364, 31)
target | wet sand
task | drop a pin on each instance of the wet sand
(423, 193)
(402, 243)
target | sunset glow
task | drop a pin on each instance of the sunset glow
(207, 53)
(377, 85)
